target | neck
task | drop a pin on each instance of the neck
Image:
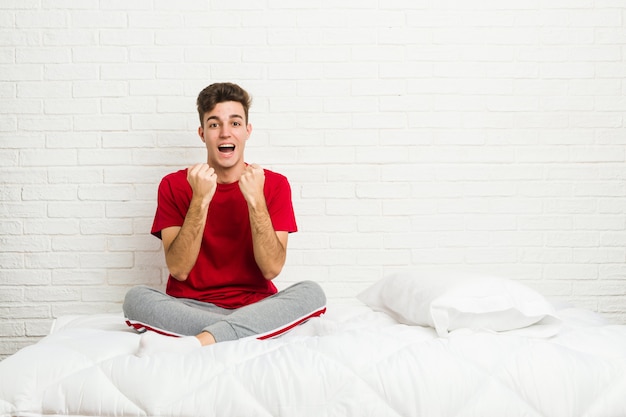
(231, 174)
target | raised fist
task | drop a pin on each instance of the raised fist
(203, 181)
(251, 183)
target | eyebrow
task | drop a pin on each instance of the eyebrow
(232, 116)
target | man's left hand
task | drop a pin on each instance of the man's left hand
(251, 184)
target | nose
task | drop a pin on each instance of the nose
(224, 131)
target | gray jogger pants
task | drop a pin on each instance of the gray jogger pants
(149, 309)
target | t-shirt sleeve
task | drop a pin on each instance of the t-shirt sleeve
(280, 207)
(169, 212)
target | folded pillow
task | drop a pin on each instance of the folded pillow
(449, 301)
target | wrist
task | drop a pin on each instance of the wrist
(201, 201)
(256, 204)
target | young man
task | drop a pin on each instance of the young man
(224, 226)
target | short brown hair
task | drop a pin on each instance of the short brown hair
(219, 93)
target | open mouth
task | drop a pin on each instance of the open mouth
(227, 147)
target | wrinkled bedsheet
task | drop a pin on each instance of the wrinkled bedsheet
(350, 362)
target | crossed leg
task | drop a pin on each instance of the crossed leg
(200, 323)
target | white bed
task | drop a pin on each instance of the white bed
(353, 361)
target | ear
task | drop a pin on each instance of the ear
(201, 133)
(249, 130)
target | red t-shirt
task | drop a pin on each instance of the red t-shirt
(225, 272)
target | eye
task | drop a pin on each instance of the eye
(213, 125)
(236, 124)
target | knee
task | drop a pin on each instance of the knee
(132, 300)
(314, 292)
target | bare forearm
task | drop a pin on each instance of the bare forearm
(269, 253)
(182, 253)
(270, 250)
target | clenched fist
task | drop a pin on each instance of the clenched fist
(251, 184)
(203, 181)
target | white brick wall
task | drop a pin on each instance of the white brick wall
(483, 135)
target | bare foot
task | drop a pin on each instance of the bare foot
(152, 342)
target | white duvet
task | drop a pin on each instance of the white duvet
(351, 362)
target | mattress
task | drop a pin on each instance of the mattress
(353, 361)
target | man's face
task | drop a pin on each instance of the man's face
(224, 131)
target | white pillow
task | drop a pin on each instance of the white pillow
(449, 301)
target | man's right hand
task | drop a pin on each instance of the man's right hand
(182, 244)
(203, 181)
